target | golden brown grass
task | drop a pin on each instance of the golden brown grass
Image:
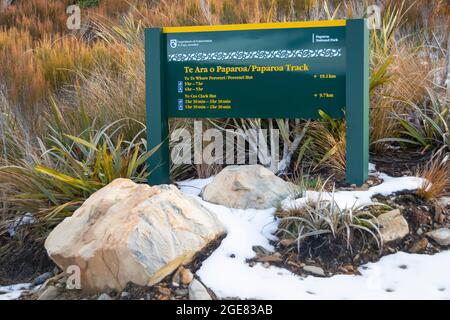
(329, 146)
(104, 77)
(37, 17)
(31, 72)
(77, 83)
(24, 84)
(437, 178)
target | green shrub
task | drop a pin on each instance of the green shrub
(69, 171)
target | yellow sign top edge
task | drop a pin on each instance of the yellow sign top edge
(257, 26)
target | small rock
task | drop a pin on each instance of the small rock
(181, 292)
(42, 278)
(445, 202)
(50, 293)
(392, 226)
(164, 291)
(261, 250)
(197, 291)
(419, 246)
(104, 296)
(295, 264)
(391, 250)
(317, 271)
(419, 231)
(363, 187)
(439, 217)
(124, 295)
(176, 279)
(287, 242)
(441, 236)
(270, 258)
(349, 269)
(186, 276)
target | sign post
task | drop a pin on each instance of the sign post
(274, 70)
(157, 119)
(357, 101)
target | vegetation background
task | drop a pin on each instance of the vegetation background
(72, 103)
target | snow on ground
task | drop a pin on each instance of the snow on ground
(13, 292)
(397, 276)
(348, 199)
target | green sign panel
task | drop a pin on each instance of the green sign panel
(276, 70)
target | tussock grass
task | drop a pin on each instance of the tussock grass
(437, 177)
(69, 169)
(329, 144)
(56, 84)
(324, 223)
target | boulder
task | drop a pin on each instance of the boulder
(247, 186)
(441, 236)
(392, 226)
(128, 232)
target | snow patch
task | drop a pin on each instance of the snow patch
(349, 199)
(14, 291)
(397, 276)
(27, 218)
(194, 187)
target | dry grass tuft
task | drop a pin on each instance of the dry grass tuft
(329, 145)
(437, 178)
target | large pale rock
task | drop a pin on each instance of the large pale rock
(128, 232)
(393, 226)
(249, 186)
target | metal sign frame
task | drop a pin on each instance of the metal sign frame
(356, 91)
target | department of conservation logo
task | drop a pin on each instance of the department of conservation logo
(173, 43)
